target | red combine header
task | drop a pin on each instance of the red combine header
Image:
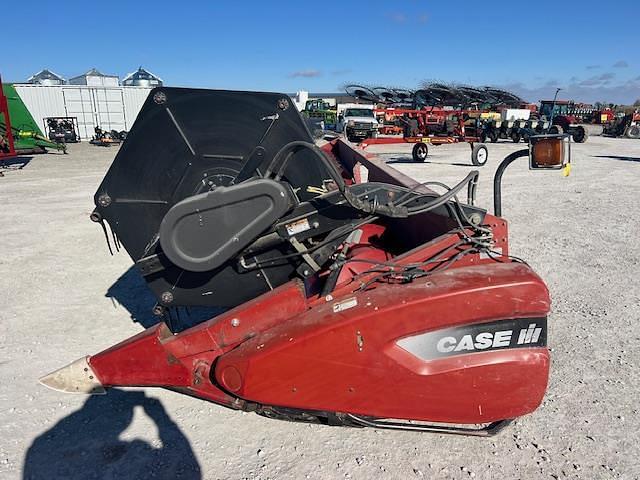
(367, 304)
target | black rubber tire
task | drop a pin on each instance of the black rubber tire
(556, 130)
(493, 136)
(479, 155)
(516, 137)
(420, 152)
(633, 131)
(580, 135)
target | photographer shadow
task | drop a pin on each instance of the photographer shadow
(87, 443)
(14, 163)
(131, 292)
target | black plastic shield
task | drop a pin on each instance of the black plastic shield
(187, 142)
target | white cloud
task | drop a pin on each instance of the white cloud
(306, 74)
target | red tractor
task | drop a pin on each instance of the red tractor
(561, 120)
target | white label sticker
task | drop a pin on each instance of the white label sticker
(298, 227)
(345, 305)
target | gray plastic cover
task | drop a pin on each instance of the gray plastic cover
(202, 232)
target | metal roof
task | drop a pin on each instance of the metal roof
(141, 74)
(94, 72)
(45, 74)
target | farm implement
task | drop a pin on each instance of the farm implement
(387, 303)
(27, 136)
(437, 114)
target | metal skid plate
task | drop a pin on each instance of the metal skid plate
(77, 377)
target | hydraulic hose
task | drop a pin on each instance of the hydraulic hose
(290, 149)
(444, 198)
(497, 179)
(286, 152)
(282, 157)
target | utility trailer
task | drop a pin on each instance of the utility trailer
(364, 304)
(420, 151)
(432, 126)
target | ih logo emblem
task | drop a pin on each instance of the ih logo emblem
(513, 333)
(529, 335)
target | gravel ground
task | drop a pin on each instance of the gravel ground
(62, 296)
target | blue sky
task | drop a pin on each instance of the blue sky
(320, 46)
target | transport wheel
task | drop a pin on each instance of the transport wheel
(633, 131)
(556, 130)
(516, 137)
(580, 135)
(479, 154)
(420, 152)
(493, 136)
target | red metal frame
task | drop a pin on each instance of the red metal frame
(4, 111)
(435, 140)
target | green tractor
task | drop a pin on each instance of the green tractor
(320, 110)
(28, 137)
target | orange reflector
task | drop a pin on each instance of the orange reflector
(548, 152)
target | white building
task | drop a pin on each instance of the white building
(95, 78)
(110, 108)
(300, 99)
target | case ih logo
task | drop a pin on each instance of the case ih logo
(514, 333)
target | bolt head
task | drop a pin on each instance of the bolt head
(160, 98)
(104, 200)
(166, 297)
(283, 103)
(235, 322)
